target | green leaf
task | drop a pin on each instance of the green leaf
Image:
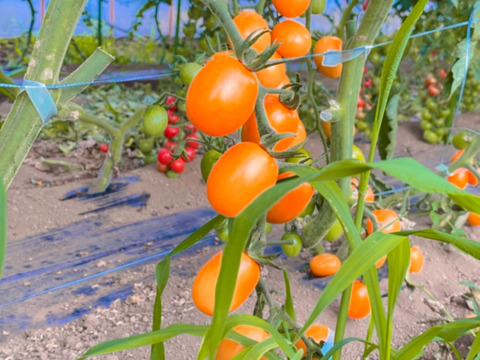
(398, 263)
(289, 308)
(418, 176)
(258, 350)
(474, 348)
(388, 130)
(448, 332)
(3, 227)
(391, 64)
(144, 339)
(344, 342)
(468, 246)
(162, 273)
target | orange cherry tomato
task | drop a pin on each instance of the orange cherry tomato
(325, 264)
(291, 8)
(229, 348)
(285, 81)
(369, 196)
(327, 129)
(280, 117)
(301, 135)
(385, 217)
(221, 97)
(359, 306)
(203, 289)
(381, 261)
(290, 205)
(459, 178)
(220, 54)
(323, 45)
(273, 76)
(473, 219)
(248, 22)
(416, 260)
(317, 333)
(294, 38)
(241, 174)
(457, 155)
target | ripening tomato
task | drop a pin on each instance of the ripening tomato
(103, 148)
(273, 76)
(416, 260)
(221, 97)
(387, 220)
(317, 333)
(203, 289)
(323, 45)
(280, 117)
(229, 348)
(294, 38)
(241, 174)
(433, 90)
(473, 219)
(459, 178)
(359, 306)
(292, 204)
(325, 264)
(248, 22)
(291, 8)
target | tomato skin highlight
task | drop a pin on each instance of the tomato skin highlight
(241, 174)
(221, 97)
(294, 37)
(291, 204)
(229, 348)
(291, 8)
(359, 306)
(384, 217)
(325, 264)
(203, 289)
(281, 118)
(322, 46)
(247, 22)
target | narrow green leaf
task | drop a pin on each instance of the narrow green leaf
(144, 339)
(418, 176)
(448, 332)
(474, 348)
(289, 307)
(162, 273)
(344, 342)
(3, 227)
(241, 228)
(398, 262)
(468, 246)
(258, 350)
(387, 140)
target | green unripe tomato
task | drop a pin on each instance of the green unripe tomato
(146, 145)
(318, 6)
(335, 232)
(189, 30)
(308, 210)
(268, 228)
(189, 71)
(362, 125)
(425, 125)
(445, 112)
(426, 114)
(461, 140)
(430, 137)
(375, 58)
(439, 122)
(155, 120)
(294, 249)
(303, 156)
(208, 160)
(211, 23)
(431, 104)
(150, 158)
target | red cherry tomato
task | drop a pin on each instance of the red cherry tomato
(170, 145)
(190, 154)
(368, 82)
(433, 90)
(171, 132)
(165, 158)
(103, 148)
(360, 102)
(170, 100)
(173, 119)
(162, 151)
(178, 165)
(191, 141)
(162, 167)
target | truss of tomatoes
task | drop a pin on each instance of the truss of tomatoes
(180, 145)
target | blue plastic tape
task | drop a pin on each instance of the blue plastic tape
(41, 99)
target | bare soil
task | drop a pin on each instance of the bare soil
(34, 209)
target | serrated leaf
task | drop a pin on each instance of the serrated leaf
(3, 227)
(387, 140)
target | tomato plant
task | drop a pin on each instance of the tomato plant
(203, 288)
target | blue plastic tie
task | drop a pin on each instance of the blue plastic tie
(41, 99)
